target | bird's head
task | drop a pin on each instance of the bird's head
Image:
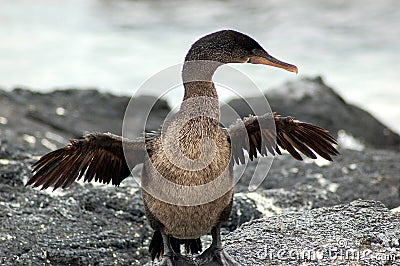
(229, 46)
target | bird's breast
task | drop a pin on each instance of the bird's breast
(183, 189)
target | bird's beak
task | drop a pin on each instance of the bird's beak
(262, 57)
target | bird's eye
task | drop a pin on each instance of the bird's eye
(255, 51)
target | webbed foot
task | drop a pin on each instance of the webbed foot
(175, 260)
(216, 256)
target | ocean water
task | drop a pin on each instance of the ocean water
(115, 45)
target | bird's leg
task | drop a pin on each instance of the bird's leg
(172, 258)
(216, 253)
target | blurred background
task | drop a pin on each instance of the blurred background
(115, 45)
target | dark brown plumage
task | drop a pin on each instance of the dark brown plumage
(101, 157)
(98, 156)
(289, 134)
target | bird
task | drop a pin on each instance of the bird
(187, 176)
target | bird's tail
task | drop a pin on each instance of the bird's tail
(156, 247)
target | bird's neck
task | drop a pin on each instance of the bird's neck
(197, 78)
(198, 117)
(200, 99)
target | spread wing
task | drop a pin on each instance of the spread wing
(290, 134)
(98, 156)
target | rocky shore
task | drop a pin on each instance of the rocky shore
(308, 213)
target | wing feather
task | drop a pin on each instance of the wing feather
(289, 134)
(97, 156)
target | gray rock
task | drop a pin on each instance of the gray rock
(359, 233)
(83, 225)
(271, 202)
(369, 174)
